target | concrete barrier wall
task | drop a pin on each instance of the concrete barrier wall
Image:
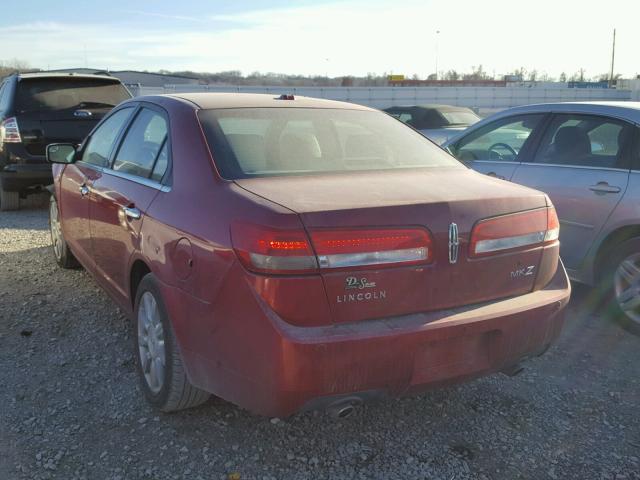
(483, 99)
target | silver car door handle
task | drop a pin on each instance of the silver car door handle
(132, 213)
(604, 187)
(84, 190)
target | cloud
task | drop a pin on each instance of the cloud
(347, 38)
(165, 16)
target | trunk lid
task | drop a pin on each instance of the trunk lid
(433, 199)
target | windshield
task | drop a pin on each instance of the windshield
(460, 117)
(250, 142)
(54, 94)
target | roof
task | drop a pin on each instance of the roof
(629, 111)
(66, 75)
(432, 106)
(98, 70)
(176, 75)
(207, 100)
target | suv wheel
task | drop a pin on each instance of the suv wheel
(9, 200)
(61, 250)
(160, 367)
(623, 271)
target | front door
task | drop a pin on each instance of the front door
(76, 186)
(121, 196)
(498, 148)
(583, 164)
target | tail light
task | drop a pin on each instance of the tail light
(363, 247)
(9, 131)
(518, 230)
(267, 250)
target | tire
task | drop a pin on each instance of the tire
(9, 200)
(168, 388)
(621, 278)
(61, 252)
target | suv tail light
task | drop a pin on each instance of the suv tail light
(517, 230)
(268, 250)
(9, 131)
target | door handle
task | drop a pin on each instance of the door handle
(604, 187)
(495, 175)
(84, 190)
(132, 213)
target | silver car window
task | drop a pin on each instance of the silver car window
(585, 140)
(501, 140)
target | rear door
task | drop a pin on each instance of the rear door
(498, 148)
(77, 182)
(122, 194)
(583, 164)
(63, 109)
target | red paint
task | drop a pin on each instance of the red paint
(274, 342)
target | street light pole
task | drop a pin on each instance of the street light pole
(613, 57)
(437, 34)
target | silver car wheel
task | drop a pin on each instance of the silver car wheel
(56, 230)
(626, 283)
(151, 342)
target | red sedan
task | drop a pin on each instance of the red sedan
(289, 253)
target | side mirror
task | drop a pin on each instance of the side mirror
(61, 153)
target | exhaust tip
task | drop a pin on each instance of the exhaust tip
(513, 370)
(345, 411)
(344, 408)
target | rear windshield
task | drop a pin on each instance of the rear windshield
(255, 142)
(55, 94)
(460, 117)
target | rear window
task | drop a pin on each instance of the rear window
(460, 117)
(254, 142)
(56, 94)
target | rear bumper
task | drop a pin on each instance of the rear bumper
(18, 177)
(20, 170)
(276, 369)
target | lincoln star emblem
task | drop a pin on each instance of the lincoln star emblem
(454, 242)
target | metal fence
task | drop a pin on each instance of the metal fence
(483, 99)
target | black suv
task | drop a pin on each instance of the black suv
(41, 108)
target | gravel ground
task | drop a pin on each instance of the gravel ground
(70, 407)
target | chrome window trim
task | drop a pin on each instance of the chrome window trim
(500, 162)
(582, 167)
(127, 176)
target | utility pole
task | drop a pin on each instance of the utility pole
(613, 58)
(437, 34)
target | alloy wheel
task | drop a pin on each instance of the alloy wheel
(626, 283)
(151, 342)
(56, 231)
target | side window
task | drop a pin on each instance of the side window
(4, 97)
(142, 144)
(101, 142)
(585, 140)
(502, 140)
(160, 168)
(407, 116)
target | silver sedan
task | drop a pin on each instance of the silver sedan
(586, 157)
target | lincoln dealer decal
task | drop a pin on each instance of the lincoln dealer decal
(363, 291)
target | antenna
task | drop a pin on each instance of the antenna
(613, 58)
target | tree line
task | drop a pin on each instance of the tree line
(235, 77)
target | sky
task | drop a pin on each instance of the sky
(324, 37)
